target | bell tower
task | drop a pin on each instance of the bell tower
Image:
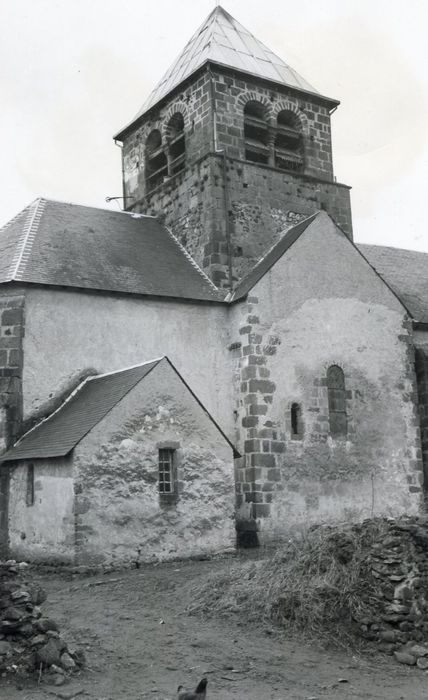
(232, 148)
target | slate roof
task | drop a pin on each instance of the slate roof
(260, 269)
(82, 410)
(224, 41)
(406, 272)
(69, 245)
(59, 433)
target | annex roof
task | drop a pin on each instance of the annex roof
(56, 435)
(59, 433)
(69, 245)
(224, 41)
(406, 272)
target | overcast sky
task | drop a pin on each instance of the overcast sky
(73, 72)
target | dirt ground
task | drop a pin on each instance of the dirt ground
(140, 643)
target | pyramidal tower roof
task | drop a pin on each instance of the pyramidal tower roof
(224, 41)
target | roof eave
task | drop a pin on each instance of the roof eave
(120, 135)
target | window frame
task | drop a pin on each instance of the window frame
(167, 455)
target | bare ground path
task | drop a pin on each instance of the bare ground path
(140, 643)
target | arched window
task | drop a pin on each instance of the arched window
(176, 143)
(156, 162)
(296, 422)
(256, 132)
(289, 142)
(336, 400)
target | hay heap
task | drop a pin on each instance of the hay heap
(29, 641)
(362, 584)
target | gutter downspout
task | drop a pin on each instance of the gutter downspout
(120, 145)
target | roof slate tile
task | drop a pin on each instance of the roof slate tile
(69, 245)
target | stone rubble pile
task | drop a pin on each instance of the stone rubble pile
(29, 641)
(396, 596)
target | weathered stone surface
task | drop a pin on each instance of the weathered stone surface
(404, 658)
(50, 653)
(418, 650)
(5, 648)
(44, 624)
(67, 662)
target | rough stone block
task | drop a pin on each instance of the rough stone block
(252, 446)
(278, 447)
(262, 386)
(256, 410)
(11, 317)
(262, 459)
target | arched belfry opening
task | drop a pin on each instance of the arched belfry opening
(156, 161)
(256, 133)
(289, 147)
(176, 143)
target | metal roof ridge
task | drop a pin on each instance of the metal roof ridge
(75, 391)
(26, 240)
(93, 377)
(193, 262)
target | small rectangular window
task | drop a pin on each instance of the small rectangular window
(30, 485)
(166, 473)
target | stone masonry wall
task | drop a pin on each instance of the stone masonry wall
(120, 516)
(193, 101)
(291, 329)
(11, 335)
(234, 210)
(261, 203)
(421, 367)
(233, 90)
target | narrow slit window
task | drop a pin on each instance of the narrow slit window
(166, 472)
(30, 485)
(296, 421)
(337, 401)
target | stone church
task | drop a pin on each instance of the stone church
(219, 362)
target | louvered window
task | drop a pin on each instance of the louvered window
(156, 161)
(289, 142)
(176, 143)
(256, 133)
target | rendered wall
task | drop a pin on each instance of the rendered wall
(67, 332)
(321, 304)
(45, 530)
(119, 516)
